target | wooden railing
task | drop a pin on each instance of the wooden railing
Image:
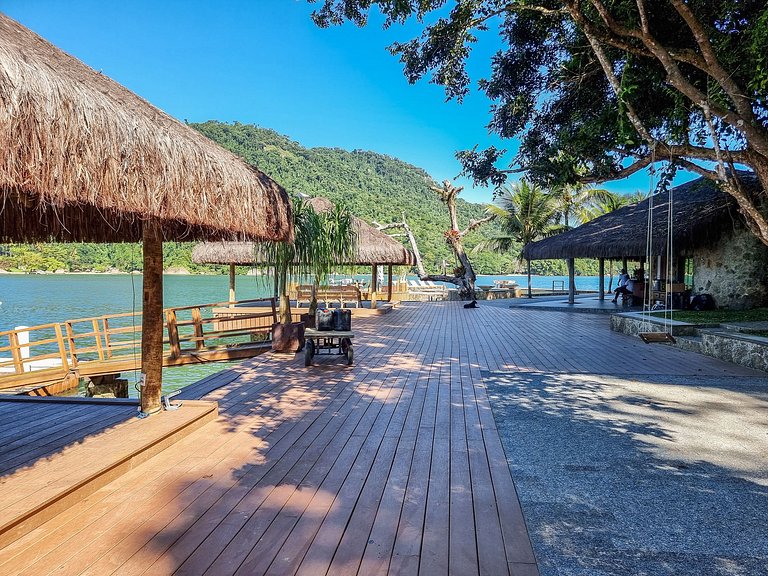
(46, 351)
(211, 326)
(112, 343)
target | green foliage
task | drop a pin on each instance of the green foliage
(525, 213)
(606, 86)
(320, 241)
(373, 186)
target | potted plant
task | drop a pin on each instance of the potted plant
(320, 240)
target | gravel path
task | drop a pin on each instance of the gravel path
(655, 475)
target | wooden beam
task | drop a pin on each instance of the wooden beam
(389, 282)
(152, 322)
(601, 284)
(571, 282)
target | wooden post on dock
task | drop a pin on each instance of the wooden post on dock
(231, 285)
(601, 273)
(389, 283)
(374, 285)
(571, 282)
(152, 321)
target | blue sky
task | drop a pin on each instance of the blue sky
(264, 62)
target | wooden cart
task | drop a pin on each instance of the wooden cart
(332, 341)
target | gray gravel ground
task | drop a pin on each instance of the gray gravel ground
(641, 475)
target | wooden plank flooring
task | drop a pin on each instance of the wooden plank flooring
(393, 465)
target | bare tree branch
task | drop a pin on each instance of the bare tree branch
(474, 224)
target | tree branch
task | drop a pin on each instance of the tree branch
(674, 75)
(474, 224)
(742, 104)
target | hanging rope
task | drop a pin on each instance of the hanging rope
(648, 294)
(647, 335)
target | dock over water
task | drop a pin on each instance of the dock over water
(393, 465)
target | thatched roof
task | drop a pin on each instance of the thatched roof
(85, 159)
(373, 246)
(701, 212)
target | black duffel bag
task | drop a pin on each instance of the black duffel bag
(702, 302)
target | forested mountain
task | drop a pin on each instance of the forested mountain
(375, 187)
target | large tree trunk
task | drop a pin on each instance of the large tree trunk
(152, 319)
(465, 280)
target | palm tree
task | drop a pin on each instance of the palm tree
(575, 200)
(320, 242)
(525, 212)
(608, 202)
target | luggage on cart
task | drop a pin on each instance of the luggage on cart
(342, 319)
(324, 319)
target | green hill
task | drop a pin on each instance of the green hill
(373, 186)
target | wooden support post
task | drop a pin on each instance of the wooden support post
(374, 285)
(152, 322)
(601, 273)
(71, 342)
(389, 282)
(18, 363)
(231, 285)
(197, 319)
(97, 337)
(624, 264)
(571, 282)
(173, 333)
(62, 348)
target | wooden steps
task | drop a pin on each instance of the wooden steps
(39, 485)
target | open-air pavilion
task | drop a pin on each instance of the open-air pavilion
(703, 220)
(372, 248)
(86, 160)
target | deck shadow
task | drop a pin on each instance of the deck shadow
(637, 474)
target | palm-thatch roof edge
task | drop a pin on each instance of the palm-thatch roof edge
(372, 247)
(85, 159)
(701, 212)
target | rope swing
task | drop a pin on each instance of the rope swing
(648, 336)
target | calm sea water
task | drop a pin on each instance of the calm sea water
(31, 299)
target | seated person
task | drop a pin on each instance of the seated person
(621, 287)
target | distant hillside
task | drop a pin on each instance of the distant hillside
(374, 186)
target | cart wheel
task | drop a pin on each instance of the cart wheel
(309, 351)
(345, 343)
(350, 355)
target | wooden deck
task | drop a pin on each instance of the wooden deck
(393, 465)
(56, 452)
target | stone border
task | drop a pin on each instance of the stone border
(741, 349)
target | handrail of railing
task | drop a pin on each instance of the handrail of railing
(221, 304)
(110, 341)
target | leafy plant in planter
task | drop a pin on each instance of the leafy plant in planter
(320, 241)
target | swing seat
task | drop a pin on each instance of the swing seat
(656, 337)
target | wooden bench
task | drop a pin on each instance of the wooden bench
(342, 295)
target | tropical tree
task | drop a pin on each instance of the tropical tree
(609, 202)
(525, 213)
(463, 276)
(321, 240)
(574, 201)
(618, 85)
